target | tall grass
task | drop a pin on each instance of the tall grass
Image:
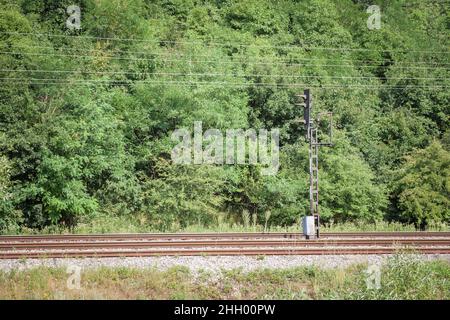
(403, 276)
(126, 224)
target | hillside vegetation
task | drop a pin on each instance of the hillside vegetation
(86, 116)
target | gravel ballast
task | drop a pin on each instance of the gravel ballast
(211, 264)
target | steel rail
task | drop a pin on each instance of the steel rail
(228, 235)
(221, 243)
(215, 252)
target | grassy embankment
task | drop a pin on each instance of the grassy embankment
(402, 277)
(115, 224)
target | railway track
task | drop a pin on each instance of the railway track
(220, 243)
(230, 244)
(227, 235)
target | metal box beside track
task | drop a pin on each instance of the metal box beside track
(308, 226)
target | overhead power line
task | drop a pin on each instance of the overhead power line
(131, 52)
(77, 81)
(213, 61)
(212, 74)
(222, 44)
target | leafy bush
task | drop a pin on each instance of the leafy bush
(422, 191)
(94, 140)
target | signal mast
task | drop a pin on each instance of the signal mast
(311, 223)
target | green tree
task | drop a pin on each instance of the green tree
(85, 121)
(349, 190)
(9, 218)
(422, 189)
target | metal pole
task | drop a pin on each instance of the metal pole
(312, 128)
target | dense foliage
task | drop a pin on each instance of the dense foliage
(87, 115)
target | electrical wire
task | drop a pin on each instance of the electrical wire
(214, 74)
(222, 44)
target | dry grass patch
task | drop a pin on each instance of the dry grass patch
(404, 276)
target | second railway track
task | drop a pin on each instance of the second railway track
(133, 245)
(221, 243)
(218, 235)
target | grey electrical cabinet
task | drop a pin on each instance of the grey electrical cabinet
(308, 226)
